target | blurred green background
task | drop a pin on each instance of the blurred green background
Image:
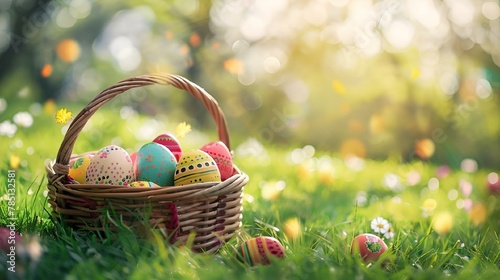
(378, 79)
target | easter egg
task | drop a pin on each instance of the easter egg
(133, 157)
(196, 166)
(222, 157)
(369, 246)
(260, 250)
(78, 168)
(155, 163)
(143, 184)
(110, 166)
(171, 143)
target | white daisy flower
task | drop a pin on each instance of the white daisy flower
(380, 225)
(23, 119)
(8, 129)
(390, 232)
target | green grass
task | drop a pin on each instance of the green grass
(324, 206)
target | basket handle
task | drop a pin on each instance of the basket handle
(66, 148)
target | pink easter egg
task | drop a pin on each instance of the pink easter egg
(222, 156)
(133, 157)
(171, 143)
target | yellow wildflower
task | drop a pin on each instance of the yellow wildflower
(293, 228)
(14, 161)
(49, 107)
(182, 129)
(443, 222)
(63, 115)
(338, 86)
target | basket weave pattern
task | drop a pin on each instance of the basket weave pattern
(212, 210)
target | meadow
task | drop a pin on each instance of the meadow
(443, 219)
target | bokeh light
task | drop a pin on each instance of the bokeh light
(442, 223)
(68, 50)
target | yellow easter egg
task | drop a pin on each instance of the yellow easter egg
(78, 168)
(196, 166)
(143, 184)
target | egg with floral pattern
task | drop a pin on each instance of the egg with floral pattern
(156, 163)
(196, 166)
(369, 246)
(260, 250)
(78, 168)
(111, 165)
(222, 156)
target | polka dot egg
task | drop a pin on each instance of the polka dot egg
(260, 250)
(143, 184)
(110, 166)
(196, 166)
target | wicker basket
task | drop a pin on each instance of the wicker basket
(211, 212)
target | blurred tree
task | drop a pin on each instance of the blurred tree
(367, 77)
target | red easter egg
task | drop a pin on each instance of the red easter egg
(222, 156)
(259, 250)
(171, 143)
(493, 183)
(369, 246)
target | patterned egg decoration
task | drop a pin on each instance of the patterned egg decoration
(196, 166)
(260, 250)
(133, 156)
(143, 184)
(110, 166)
(369, 246)
(220, 153)
(171, 143)
(156, 164)
(78, 168)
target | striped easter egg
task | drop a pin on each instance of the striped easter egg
(194, 167)
(260, 250)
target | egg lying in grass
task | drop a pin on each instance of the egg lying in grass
(143, 184)
(369, 246)
(260, 250)
(222, 157)
(110, 166)
(196, 166)
(78, 168)
(155, 163)
(171, 143)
